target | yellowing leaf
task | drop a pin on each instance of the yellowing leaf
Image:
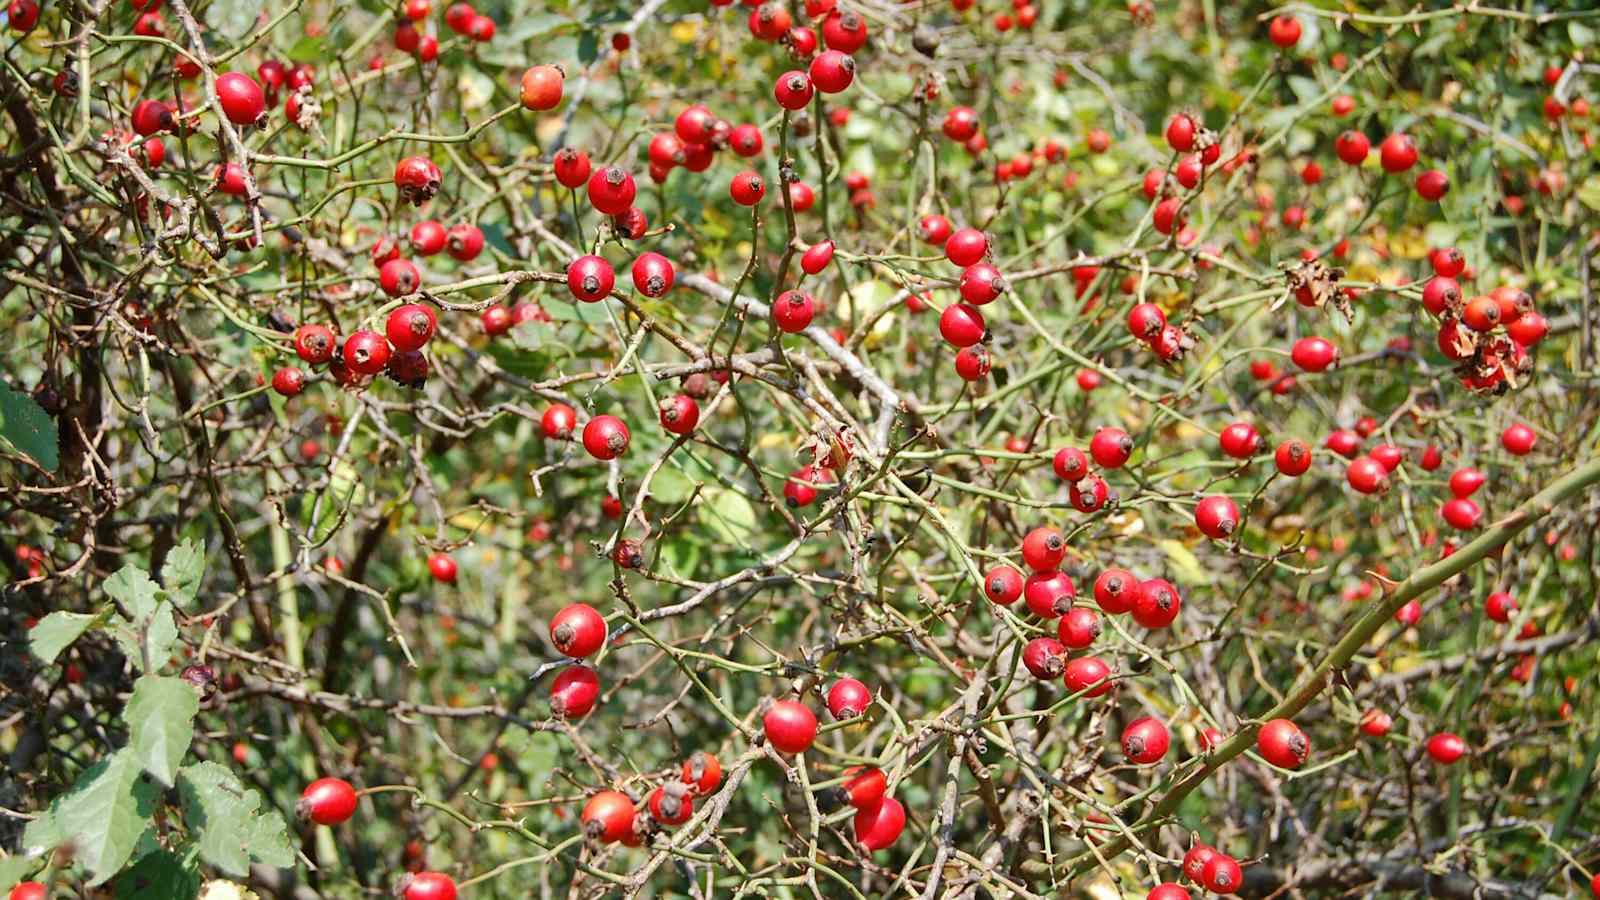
(863, 297)
(548, 129)
(1184, 560)
(1409, 243)
(475, 89)
(1589, 193)
(685, 31)
(1103, 165)
(1405, 663)
(225, 890)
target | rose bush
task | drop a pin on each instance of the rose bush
(597, 449)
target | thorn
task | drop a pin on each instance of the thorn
(1389, 584)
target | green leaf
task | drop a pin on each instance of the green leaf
(562, 311)
(105, 814)
(56, 632)
(346, 485)
(160, 636)
(539, 336)
(671, 486)
(128, 638)
(679, 555)
(729, 515)
(41, 835)
(533, 366)
(229, 826)
(160, 717)
(161, 875)
(181, 572)
(494, 234)
(1304, 88)
(530, 26)
(309, 50)
(540, 748)
(14, 869)
(28, 427)
(138, 594)
(588, 47)
(607, 17)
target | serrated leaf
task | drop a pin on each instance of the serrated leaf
(729, 515)
(56, 632)
(181, 572)
(105, 814)
(14, 869)
(229, 826)
(161, 875)
(28, 427)
(137, 592)
(160, 717)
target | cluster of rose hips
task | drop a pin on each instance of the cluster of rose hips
(612, 817)
(332, 801)
(363, 354)
(611, 191)
(1153, 603)
(961, 324)
(1280, 742)
(842, 30)
(1489, 336)
(1443, 748)
(577, 631)
(460, 18)
(1397, 154)
(1556, 111)
(33, 558)
(1217, 515)
(1147, 322)
(1200, 148)
(1024, 14)
(801, 487)
(1368, 473)
(790, 727)
(696, 136)
(1109, 448)
(962, 125)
